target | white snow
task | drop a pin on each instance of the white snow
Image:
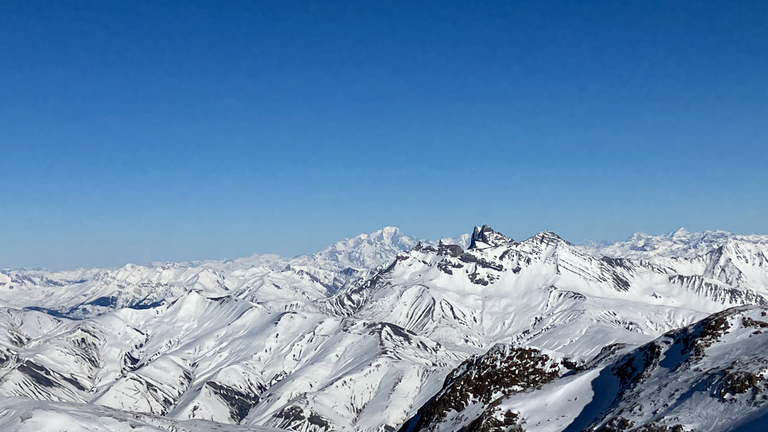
(357, 336)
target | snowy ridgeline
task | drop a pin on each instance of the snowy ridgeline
(536, 335)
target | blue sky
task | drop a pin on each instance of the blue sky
(167, 131)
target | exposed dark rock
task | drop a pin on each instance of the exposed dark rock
(475, 278)
(17, 338)
(104, 302)
(7, 357)
(130, 362)
(482, 262)
(420, 247)
(716, 291)
(490, 421)
(145, 304)
(622, 263)
(449, 250)
(86, 343)
(349, 271)
(468, 258)
(735, 382)
(45, 377)
(294, 418)
(239, 402)
(502, 371)
(617, 424)
(620, 282)
(379, 328)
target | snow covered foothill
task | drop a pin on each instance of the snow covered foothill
(228, 360)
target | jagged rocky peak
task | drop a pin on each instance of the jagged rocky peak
(485, 236)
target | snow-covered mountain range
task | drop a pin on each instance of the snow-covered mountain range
(277, 282)
(384, 331)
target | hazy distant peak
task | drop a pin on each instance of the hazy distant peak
(368, 250)
(680, 243)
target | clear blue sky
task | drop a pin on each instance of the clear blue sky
(137, 131)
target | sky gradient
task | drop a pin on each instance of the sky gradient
(170, 131)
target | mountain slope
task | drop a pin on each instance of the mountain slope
(218, 358)
(711, 376)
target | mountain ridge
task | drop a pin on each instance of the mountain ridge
(358, 336)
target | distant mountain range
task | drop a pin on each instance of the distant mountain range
(386, 332)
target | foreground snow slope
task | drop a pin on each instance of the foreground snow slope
(23, 415)
(360, 335)
(711, 376)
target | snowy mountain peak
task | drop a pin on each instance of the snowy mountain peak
(546, 237)
(387, 231)
(681, 233)
(368, 250)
